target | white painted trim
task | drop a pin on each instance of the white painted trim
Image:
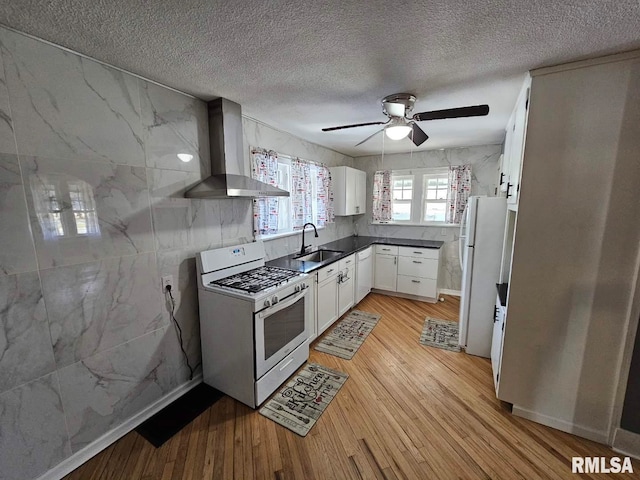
(600, 436)
(446, 291)
(69, 464)
(627, 443)
(616, 57)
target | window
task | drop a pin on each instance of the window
(309, 201)
(413, 197)
(402, 192)
(436, 189)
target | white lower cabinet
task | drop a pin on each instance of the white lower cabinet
(385, 273)
(327, 303)
(407, 270)
(335, 292)
(496, 341)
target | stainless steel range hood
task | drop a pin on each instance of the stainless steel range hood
(228, 178)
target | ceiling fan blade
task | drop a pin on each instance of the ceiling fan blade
(474, 111)
(370, 137)
(330, 129)
(418, 136)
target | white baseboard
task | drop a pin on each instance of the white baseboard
(627, 443)
(563, 425)
(69, 464)
(446, 291)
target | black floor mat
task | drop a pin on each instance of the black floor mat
(174, 417)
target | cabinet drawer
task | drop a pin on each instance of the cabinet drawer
(419, 252)
(387, 249)
(348, 262)
(418, 267)
(423, 287)
(328, 272)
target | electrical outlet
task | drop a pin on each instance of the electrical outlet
(167, 280)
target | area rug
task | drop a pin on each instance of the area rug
(301, 402)
(440, 333)
(346, 337)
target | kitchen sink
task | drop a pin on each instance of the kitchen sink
(319, 256)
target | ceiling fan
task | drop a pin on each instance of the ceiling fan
(398, 108)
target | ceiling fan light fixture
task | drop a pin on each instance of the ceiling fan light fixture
(397, 132)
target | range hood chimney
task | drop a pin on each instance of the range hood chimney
(228, 179)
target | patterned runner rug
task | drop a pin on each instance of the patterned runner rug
(440, 333)
(300, 403)
(346, 337)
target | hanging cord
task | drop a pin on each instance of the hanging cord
(175, 321)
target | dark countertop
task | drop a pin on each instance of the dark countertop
(503, 288)
(347, 245)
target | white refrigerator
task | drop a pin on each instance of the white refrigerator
(481, 237)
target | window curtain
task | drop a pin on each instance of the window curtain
(459, 191)
(264, 167)
(325, 197)
(382, 196)
(304, 175)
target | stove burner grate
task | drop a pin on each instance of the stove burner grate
(256, 280)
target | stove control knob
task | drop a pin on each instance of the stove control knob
(274, 299)
(267, 303)
(297, 288)
(303, 286)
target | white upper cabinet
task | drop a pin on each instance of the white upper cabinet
(349, 191)
(514, 146)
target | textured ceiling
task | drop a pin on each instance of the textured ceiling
(300, 65)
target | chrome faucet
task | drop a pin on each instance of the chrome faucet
(303, 249)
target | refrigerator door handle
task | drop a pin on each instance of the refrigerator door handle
(463, 232)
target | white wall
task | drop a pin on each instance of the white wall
(484, 171)
(576, 244)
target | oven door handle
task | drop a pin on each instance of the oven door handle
(281, 305)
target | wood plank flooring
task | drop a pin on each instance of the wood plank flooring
(406, 412)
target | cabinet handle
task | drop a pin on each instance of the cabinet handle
(329, 271)
(415, 281)
(394, 260)
(419, 253)
(416, 261)
(501, 178)
(386, 249)
(347, 261)
(509, 188)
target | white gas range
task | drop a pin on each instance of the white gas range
(254, 325)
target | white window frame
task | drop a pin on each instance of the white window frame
(418, 199)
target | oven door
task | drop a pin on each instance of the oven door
(279, 329)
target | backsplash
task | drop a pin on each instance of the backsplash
(93, 214)
(484, 161)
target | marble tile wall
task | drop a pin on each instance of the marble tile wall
(485, 164)
(93, 215)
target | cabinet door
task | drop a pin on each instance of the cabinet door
(386, 272)
(361, 192)
(346, 290)
(327, 302)
(496, 342)
(364, 277)
(350, 191)
(517, 145)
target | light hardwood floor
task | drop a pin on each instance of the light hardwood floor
(407, 412)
